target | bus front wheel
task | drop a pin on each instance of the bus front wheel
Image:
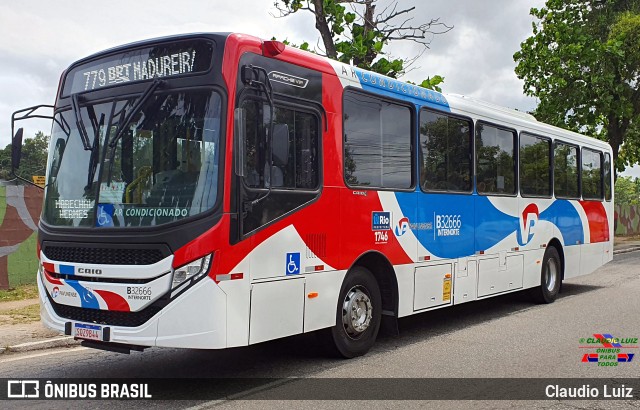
(358, 315)
(550, 277)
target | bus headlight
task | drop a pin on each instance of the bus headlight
(191, 272)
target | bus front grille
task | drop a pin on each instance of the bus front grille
(104, 317)
(104, 255)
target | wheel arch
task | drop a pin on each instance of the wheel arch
(555, 242)
(385, 275)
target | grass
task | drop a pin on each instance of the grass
(19, 293)
(27, 314)
(23, 263)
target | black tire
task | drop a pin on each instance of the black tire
(550, 277)
(355, 337)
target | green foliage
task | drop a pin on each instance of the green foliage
(360, 36)
(34, 157)
(431, 83)
(583, 64)
(23, 263)
(627, 191)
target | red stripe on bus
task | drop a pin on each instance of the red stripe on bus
(114, 301)
(598, 223)
(51, 279)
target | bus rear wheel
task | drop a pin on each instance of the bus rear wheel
(550, 277)
(358, 315)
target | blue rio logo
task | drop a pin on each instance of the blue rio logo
(381, 221)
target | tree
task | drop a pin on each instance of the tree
(359, 36)
(34, 157)
(583, 64)
(627, 191)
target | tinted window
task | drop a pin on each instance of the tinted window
(292, 170)
(535, 165)
(295, 148)
(495, 159)
(591, 174)
(565, 169)
(377, 137)
(163, 167)
(445, 144)
(607, 177)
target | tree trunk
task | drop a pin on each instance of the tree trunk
(369, 26)
(323, 28)
(616, 137)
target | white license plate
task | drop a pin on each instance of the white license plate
(89, 332)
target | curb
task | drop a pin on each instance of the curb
(626, 250)
(64, 341)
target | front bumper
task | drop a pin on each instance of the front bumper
(195, 319)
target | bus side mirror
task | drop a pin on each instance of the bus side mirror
(240, 136)
(16, 150)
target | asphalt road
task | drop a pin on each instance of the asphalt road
(503, 337)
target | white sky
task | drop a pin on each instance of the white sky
(40, 38)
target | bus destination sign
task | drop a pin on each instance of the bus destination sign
(166, 60)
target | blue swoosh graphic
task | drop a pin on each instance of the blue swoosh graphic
(564, 216)
(483, 225)
(87, 299)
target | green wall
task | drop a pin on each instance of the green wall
(23, 263)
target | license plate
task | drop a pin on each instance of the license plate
(89, 332)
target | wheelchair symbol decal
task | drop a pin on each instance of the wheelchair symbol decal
(293, 263)
(105, 215)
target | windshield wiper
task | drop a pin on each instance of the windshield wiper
(122, 125)
(81, 128)
(95, 150)
(135, 110)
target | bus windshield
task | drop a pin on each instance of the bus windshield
(162, 168)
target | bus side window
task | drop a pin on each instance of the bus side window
(607, 176)
(495, 159)
(445, 150)
(591, 174)
(535, 165)
(377, 142)
(565, 171)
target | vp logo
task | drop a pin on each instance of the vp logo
(402, 227)
(528, 222)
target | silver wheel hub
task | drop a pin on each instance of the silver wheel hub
(356, 312)
(552, 275)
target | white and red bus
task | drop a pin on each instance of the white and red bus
(218, 190)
